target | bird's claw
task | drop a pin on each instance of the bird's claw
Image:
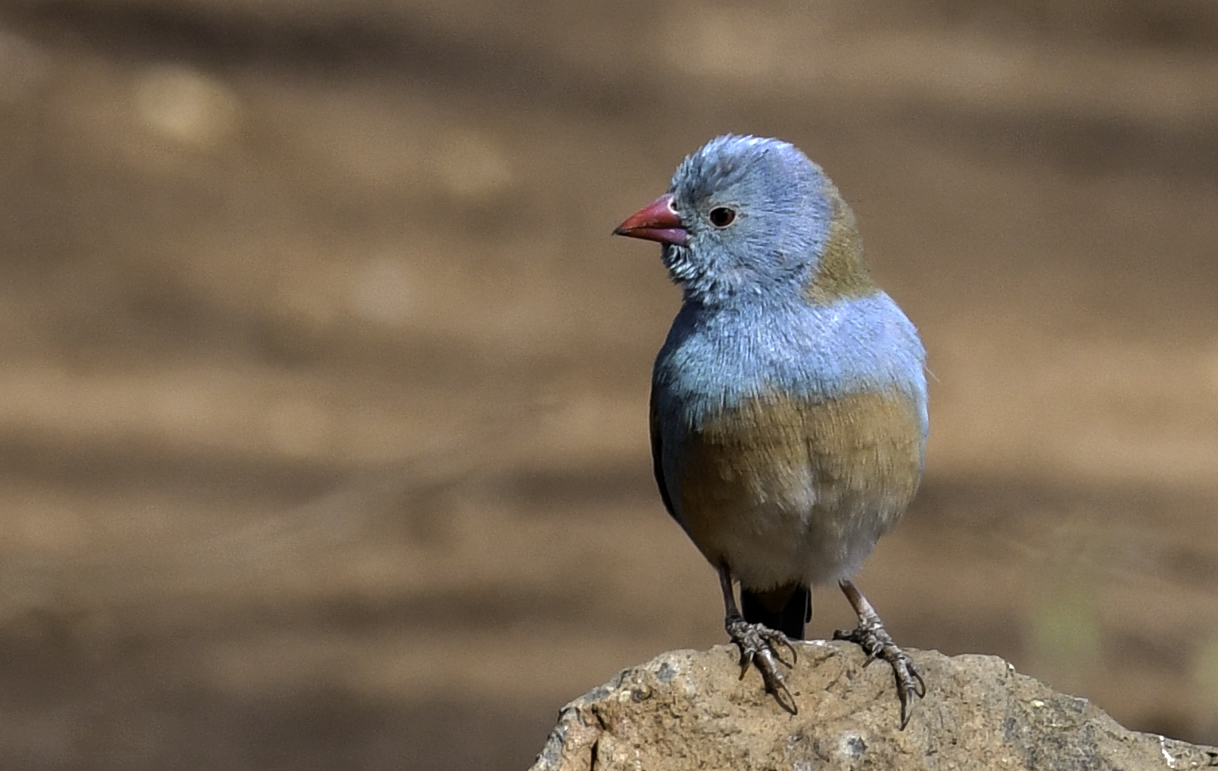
(875, 641)
(759, 646)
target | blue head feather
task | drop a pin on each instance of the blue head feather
(748, 324)
(781, 220)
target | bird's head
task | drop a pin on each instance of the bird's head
(750, 217)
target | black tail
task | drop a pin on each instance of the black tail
(789, 619)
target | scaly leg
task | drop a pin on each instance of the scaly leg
(758, 646)
(877, 644)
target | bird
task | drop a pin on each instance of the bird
(788, 405)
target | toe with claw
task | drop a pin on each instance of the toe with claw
(759, 646)
(875, 641)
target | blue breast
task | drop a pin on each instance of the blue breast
(714, 358)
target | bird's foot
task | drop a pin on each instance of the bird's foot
(875, 641)
(759, 646)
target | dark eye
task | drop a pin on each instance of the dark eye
(721, 216)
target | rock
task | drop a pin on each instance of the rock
(689, 710)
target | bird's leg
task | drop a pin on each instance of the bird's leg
(758, 646)
(877, 644)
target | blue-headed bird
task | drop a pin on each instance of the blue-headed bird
(788, 404)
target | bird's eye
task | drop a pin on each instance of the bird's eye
(721, 216)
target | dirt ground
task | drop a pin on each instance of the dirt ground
(323, 428)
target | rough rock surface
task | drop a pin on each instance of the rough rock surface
(689, 710)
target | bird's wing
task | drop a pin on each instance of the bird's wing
(657, 453)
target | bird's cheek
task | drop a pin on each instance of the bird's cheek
(678, 260)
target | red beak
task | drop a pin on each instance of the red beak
(657, 221)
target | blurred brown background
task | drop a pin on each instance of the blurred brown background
(323, 398)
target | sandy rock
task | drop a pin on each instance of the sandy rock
(689, 710)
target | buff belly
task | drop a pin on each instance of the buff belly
(784, 490)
